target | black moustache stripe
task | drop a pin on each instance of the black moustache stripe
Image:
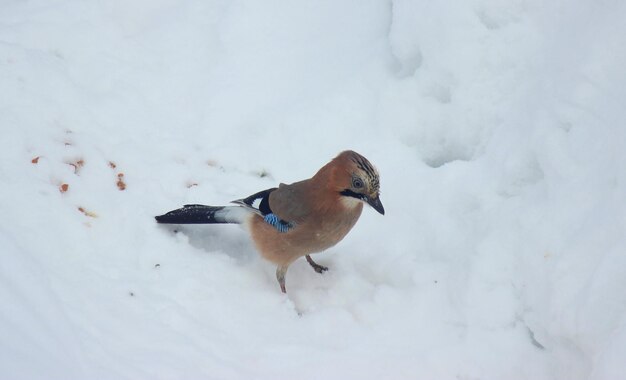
(350, 193)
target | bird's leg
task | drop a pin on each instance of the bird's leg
(318, 268)
(280, 276)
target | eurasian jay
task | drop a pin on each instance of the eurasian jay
(299, 219)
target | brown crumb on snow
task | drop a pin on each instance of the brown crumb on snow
(87, 212)
(77, 165)
(121, 185)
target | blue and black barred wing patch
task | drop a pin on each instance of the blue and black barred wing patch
(279, 224)
(260, 204)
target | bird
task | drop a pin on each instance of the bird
(297, 219)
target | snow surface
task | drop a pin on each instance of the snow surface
(497, 126)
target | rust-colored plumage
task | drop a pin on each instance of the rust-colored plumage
(319, 212)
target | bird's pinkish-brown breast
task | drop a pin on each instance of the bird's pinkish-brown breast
(322, 229)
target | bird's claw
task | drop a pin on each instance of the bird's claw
(316, 267)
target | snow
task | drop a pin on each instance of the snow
(497, 127)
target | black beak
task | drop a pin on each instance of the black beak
(376, 204)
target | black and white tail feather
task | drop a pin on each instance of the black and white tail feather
(200, 214)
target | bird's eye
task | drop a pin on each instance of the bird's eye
(357, 183)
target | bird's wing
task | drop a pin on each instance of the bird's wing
(290, 202)
(258, 202)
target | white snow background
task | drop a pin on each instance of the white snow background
(498, 128)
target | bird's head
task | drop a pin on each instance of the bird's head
(357, 178)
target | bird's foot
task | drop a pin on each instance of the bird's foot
(280, 276)
(318, 268)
